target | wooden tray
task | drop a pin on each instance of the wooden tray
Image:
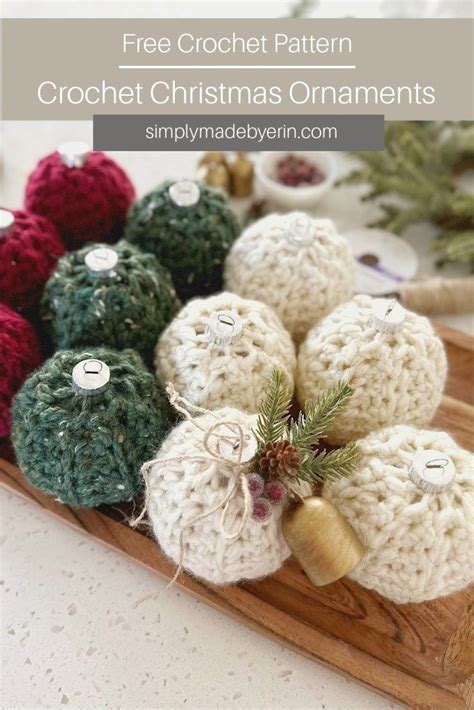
(418, 654)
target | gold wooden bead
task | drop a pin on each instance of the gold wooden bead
(322, 540)
(241, 175)
(215, 175)
(215, 157)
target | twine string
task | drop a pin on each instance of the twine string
(213, 454)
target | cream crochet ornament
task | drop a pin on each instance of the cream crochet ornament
(419, 537)
(298, 265)
(198, 502)
(392, 359)
(222, 350)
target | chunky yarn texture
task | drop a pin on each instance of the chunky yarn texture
(128, 310)
(419, 545)
(87, 450)
(28, 254)
(211, 376)
(397, 378)
(301, 282)
(191, 242)
(87, 204)
(19, 355)
(184, 485)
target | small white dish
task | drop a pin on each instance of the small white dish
(294, 197)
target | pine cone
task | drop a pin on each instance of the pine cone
(280, 459)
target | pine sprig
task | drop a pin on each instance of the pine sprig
(299, 437)
(273, 415)
(318, 416)
(322, 466)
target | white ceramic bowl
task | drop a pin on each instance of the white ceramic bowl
(294, 197)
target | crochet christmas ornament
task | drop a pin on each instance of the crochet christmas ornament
(29, 249)
(19, 355)
(392, 359)
(85, 194)
(84, 422)
(411, 503)
(222, 350)
(193, 474)
(190, 227)
(216, 492)
(115, 296)
(297, 265)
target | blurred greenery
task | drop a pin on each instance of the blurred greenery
(415, 179)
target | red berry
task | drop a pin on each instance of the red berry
(276, 492)
(262, 510)
(255, 484)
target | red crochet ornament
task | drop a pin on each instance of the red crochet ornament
(29, 249)
(19, 355)
(85, 194)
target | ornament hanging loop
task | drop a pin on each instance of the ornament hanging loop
(93, 367)
(224, 328)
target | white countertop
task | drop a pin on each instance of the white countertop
(73, 635)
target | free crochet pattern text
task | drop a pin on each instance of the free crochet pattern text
(188, 43)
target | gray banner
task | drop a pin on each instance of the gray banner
(406, 69)
(155, 133)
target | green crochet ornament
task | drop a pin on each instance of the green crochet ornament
(190, 227)
(112, 295)
(84, 423)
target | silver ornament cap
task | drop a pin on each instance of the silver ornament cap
(185, 193)
(224, 328)
(230, 443)
(90, 377)
(387, 315)
(432, 471)
(7, 222)
(74, 154)
(301, 230)
(101, 262)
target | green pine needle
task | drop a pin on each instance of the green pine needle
(304, 433)
(273, 414)
(319, 416)
(320, 467)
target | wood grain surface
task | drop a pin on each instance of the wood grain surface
(419, 654)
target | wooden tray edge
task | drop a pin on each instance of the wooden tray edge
(329, 650)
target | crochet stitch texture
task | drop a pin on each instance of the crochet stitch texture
(300, 282)
(397, 378)
(191, 242)
(419, 545)
(128, 310)
(87, 204)
(28, 254)
(19, 355)
(184, 489)
(87, 450)
(212, 377)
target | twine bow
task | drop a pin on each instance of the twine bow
(235, 438)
